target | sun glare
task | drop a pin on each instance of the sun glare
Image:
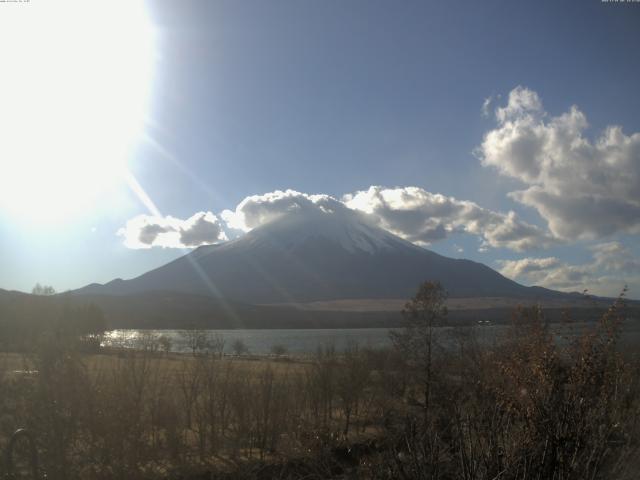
(74, 89)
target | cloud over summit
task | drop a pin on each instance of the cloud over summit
(257, 210)
(412, 213)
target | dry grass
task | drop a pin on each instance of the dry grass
(527, 408)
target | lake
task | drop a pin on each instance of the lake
(259, 342)
(305, 341)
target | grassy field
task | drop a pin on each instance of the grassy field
(15, 365)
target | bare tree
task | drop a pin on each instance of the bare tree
(352, 379)
(239, 347)
(43, 290)
(215, 345)
(195, 339)
(149, 341)
(165, 343)
(422, 313)
(278, 350)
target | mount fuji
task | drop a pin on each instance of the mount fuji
(317, 256)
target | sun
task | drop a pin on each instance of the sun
(74, 92)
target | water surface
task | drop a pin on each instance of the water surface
(306, 341)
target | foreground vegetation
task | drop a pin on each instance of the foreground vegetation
(532, 406)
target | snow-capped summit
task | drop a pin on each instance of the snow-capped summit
(349, 230)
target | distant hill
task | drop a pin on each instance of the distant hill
(176, 310)
(179, 310)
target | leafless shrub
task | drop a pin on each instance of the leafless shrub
(278, 350)
(239, 347)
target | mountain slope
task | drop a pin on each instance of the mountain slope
(320, 256)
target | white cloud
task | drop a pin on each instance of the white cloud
(146, 231)
(533, 270)
(486, 105)
(612, 267)
(423, 217)
(257, 210)
(412, 213)
(521, 101)
(582, 188)
(615, 257)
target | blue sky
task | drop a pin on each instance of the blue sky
(334, 97)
